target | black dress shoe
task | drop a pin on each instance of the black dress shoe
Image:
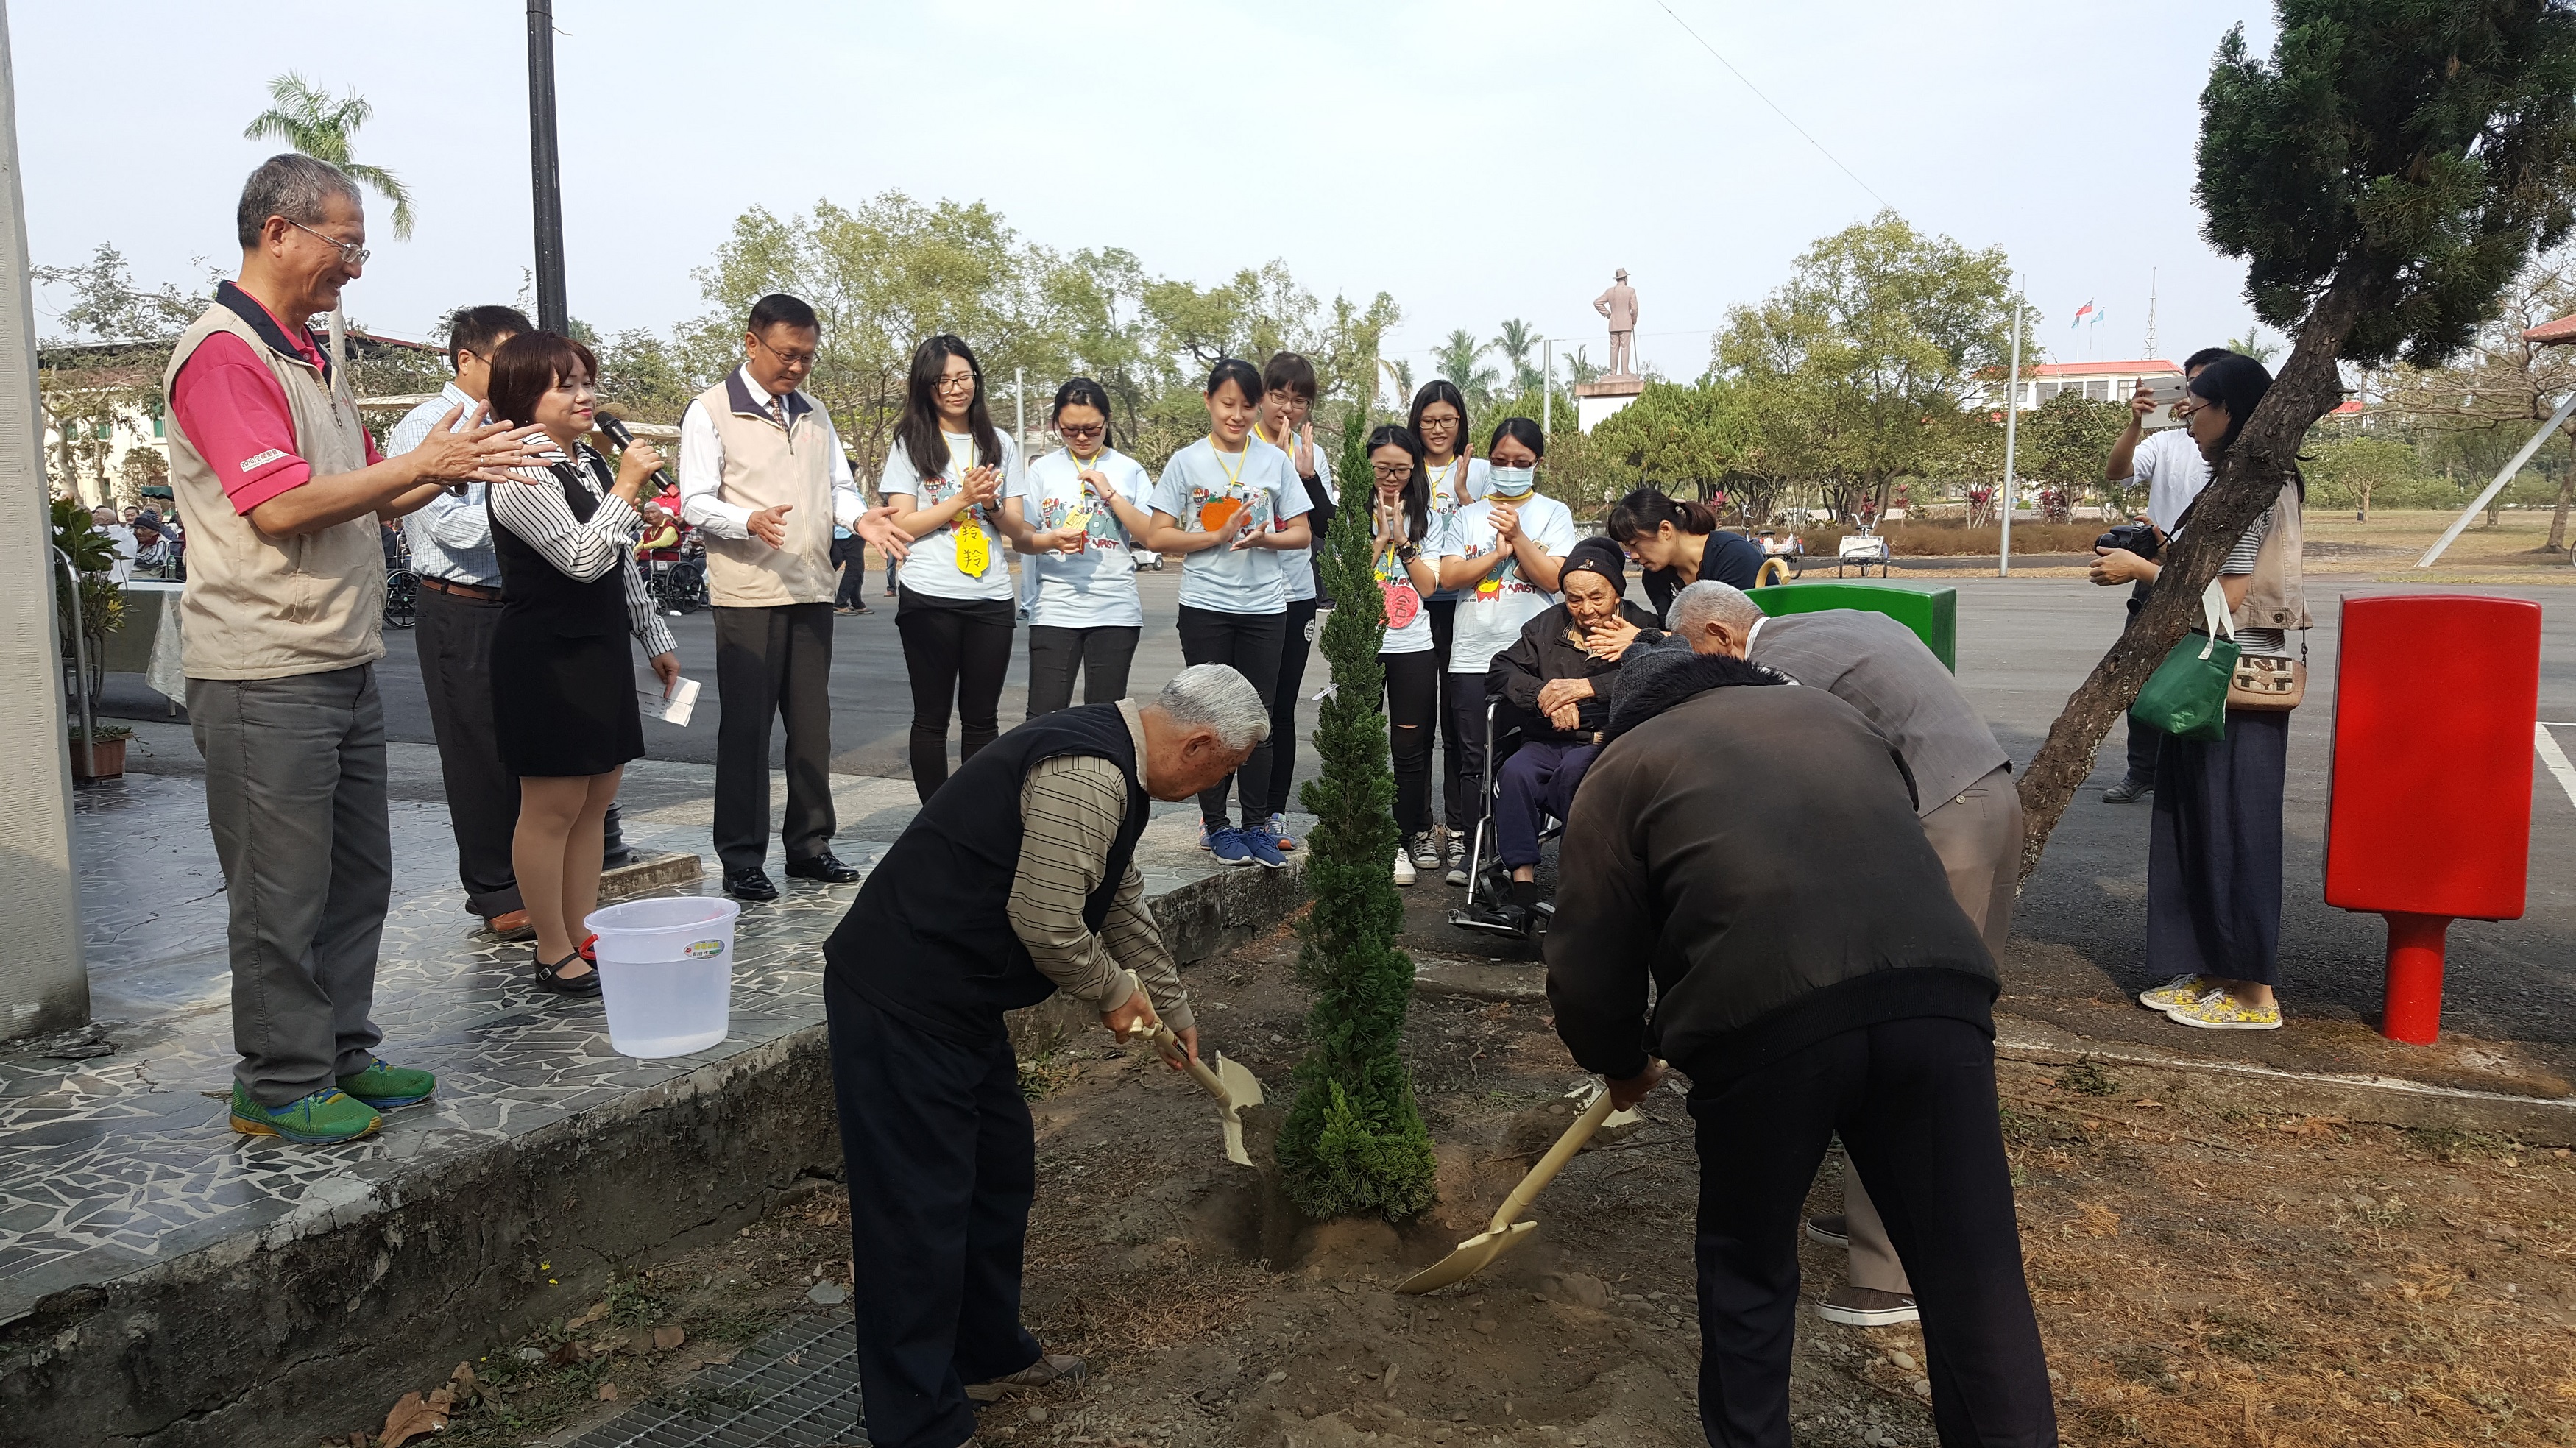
(549, 977)
(827, 867)
(750, 884)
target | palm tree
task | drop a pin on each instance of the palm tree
(1457, 358)
(1518, 340)
(310, 121)
(2252, 345)
(1582, 368)
(1399, 372)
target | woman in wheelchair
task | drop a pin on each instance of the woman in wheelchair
(1554, 684)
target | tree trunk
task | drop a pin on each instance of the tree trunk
(2248, 480)
(2558, 520)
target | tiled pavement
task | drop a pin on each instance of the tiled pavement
(116, 1162)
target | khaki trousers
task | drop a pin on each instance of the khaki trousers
(1978, 837)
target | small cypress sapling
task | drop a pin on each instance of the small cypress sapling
(1354, 1143)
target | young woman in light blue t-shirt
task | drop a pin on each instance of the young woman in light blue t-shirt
(1406, 541)
(1086, 504)
(1232, 504)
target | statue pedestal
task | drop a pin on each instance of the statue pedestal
(1594, 401)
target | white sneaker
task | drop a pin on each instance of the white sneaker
(1403, 868)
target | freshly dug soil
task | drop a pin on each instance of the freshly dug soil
(2203, 1276)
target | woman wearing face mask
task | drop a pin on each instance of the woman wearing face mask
(1557, 677)
(1406, 540)
(1085, 504)
(1232, 504)
(945, 477)
(563, 674)
(1439, 418)
(1287, 399)
(1678, 543)
(2214, 855)
(1502, 558)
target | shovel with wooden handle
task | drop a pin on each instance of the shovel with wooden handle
(1507, 1230)
(1231, 1083)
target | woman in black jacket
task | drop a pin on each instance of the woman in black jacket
(1556, 677)
(1677, 542)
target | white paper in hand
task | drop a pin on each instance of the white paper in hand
(674, 710)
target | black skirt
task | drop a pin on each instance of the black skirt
(563, 706)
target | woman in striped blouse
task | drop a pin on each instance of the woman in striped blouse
(2214, 860)
(563, 675)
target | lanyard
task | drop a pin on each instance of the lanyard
(1233, 479)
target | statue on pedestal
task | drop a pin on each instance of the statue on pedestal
(1619, 304)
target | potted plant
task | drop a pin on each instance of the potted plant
(104, 758)
(102, 602)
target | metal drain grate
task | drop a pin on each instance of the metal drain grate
(799, 1388)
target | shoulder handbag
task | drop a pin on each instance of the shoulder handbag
(2187, 695)
(2259, 682)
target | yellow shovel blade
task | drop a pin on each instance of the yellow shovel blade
(1469, 1258)
(1242, 1088)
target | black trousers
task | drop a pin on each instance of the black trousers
(2214, 852)
(942, 1163)
(454, 640)
(1249, 643)
(850, 555)
(955, 653)
(1914, 1101)
(2144, 739)
(1464, 697)
(1453, 799)
(1293, 648)
(1102, 654)
(773, 662)
(1412, 692)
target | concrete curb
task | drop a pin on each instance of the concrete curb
(316, 1324)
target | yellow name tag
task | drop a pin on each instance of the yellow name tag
(974, 554)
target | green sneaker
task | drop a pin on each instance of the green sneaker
(386, 1087)
(323, 1116)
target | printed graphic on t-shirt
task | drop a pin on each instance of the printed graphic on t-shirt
(1220, 509)
(1099, 524)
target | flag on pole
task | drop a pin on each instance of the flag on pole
(2085, 313)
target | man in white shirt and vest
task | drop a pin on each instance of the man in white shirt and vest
(284, 612)
(763, 478)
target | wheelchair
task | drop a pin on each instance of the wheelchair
(1489, 880)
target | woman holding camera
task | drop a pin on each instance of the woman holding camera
(2214, 863)
(563, 674)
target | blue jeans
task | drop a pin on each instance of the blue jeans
(1538, 780)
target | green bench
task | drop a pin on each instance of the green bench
(1933, 613)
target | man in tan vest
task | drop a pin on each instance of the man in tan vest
(281, 624)
(763, 478)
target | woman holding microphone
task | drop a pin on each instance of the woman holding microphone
(1086, 505)
(945, 477)
(563, 675)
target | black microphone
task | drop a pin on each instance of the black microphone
(615, 430)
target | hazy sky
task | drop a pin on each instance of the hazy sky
(1478, 161)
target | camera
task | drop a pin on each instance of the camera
(2139, 538)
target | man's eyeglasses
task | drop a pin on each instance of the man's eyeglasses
(792, 359)
(1085, 433)
(351, 253)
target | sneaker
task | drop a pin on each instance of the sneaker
(2182, 990)
(324, 1116)
(386, 1087)
(1868, 1307)
(1456, 851)
(1425, 851)
(1404, 873)
(1050, 1368)
(1262, 846)
(2128, 791)
(1279, 834)
(2222, 1011)
(1228, 846)
(1833, 1231)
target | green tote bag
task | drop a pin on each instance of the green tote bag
(2187, 695)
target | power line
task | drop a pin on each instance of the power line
(1774, 105)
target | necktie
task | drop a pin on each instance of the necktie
(778, 413)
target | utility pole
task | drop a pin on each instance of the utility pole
(2151, 315)
(2012, 419)
(1020, 407)
(545, 170)
(1547, 386)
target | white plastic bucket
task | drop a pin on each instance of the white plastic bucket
(666, 973)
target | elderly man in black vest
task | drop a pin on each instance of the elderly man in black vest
(1808, 981)
(1015, 881)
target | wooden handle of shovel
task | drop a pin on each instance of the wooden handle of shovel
(1552, 1163)
(1170, 1046)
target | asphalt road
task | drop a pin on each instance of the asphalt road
(2023, 645)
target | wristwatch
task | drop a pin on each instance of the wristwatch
(1408, 551)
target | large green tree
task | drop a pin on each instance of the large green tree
(309, 119)
(1461, 359)
(2064, 443)
(2385, 173)
(2482, 406)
